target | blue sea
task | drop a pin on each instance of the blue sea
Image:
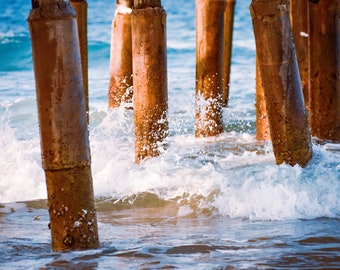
(207, 203)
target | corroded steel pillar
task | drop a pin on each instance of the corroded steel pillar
(300, 27)
(63, 125)
(149, 78)
(227, 50)
(324, 70)
(262, 123)
(337, 45)
(287, 116)
(121, 82)
(80, 6)
(209, 67)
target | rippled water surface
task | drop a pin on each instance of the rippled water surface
(166, 237)
(214, 203)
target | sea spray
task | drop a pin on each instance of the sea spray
(21, 174)
(231, 174)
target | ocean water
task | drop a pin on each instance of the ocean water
(208, 203)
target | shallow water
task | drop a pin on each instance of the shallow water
(164, 237)
(214, 203)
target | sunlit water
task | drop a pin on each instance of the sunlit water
(215, 203)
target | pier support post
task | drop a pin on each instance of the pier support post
(324, 70)
(209, 67)
(121, 82)
(262, 123)
(337, 54)
(300, 28)
(63, 125)
(80, 6)
(281, 82)
(227, 50)
(149, 78)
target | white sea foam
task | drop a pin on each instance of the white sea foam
(242, 176)
(21, 174)
(231, 173)
(280, 192)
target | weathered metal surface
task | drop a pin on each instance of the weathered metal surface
(227, 51)
(300, 27)
(80, 6)
(288, 122)
(121, 82)
(324, 70)
(150, 81)
(209, 67)
(262, 123)
(63, 125)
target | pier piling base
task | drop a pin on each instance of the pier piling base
(63, 125)
(209, 67)
(287, 115)
(73, 220)
(150, 81)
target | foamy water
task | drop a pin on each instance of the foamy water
(236, 173)
(239, 172)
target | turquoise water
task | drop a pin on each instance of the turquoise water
(204, 204)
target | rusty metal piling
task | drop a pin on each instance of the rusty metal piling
(324, 70)
(121, 82)
(287, 115)
(63, 125)
(150, 100)
(80, 7)
(262, 123)
(300, 28)
(227, 50)
(209, 67)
